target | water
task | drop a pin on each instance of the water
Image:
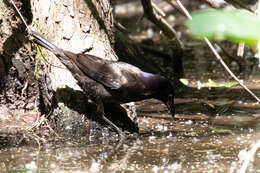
(190, 143)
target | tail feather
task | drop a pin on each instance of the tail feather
(40, 40)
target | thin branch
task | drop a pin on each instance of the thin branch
(240, 49)
(214, 3)
(239, 4)
(218, 4)
(184, 10)
(249, 157)
(258, 44)
(158, 10)
(29, 30)
(232, 57)
(218, 56)
(174, 4)
(170, 34)
(161, 23)
(228, 70)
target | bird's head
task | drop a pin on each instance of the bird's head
(160, 88)
(169, 102)
(166, 94)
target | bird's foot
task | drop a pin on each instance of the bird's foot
(119, 131)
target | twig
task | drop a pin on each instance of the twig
(227, 69)
(218, 4)
(232, 57)
(239, 4)
(162, 23)
(171, 35)
(258, 44)
(37, 123)
(218, 56)
(184, 10)
(29, 30)
(175, 5)
(214, 3)
(249, 156)
(240, 49)
(23, 94)
(158, 10)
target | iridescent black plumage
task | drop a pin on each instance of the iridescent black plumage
(118, 82)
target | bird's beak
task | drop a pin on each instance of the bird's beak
(170, 105)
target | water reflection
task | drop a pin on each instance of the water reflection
(159, 152)
(192, 142)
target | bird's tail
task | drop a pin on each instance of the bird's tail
(40, 40)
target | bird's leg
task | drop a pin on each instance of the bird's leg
(100, 112)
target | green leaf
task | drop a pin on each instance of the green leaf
(212, 83)
(184, 81)
(236, 26)
(221, 84)
(221, 131)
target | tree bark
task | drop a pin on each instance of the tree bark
(19, 89)
(44, 84)
(77, 26)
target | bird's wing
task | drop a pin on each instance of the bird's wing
(99, 70)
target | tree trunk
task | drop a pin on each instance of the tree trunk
(44, 84)
(19, 89)
(77, 26)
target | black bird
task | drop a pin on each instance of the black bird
(118, 82)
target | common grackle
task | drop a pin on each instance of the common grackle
(115, 82)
